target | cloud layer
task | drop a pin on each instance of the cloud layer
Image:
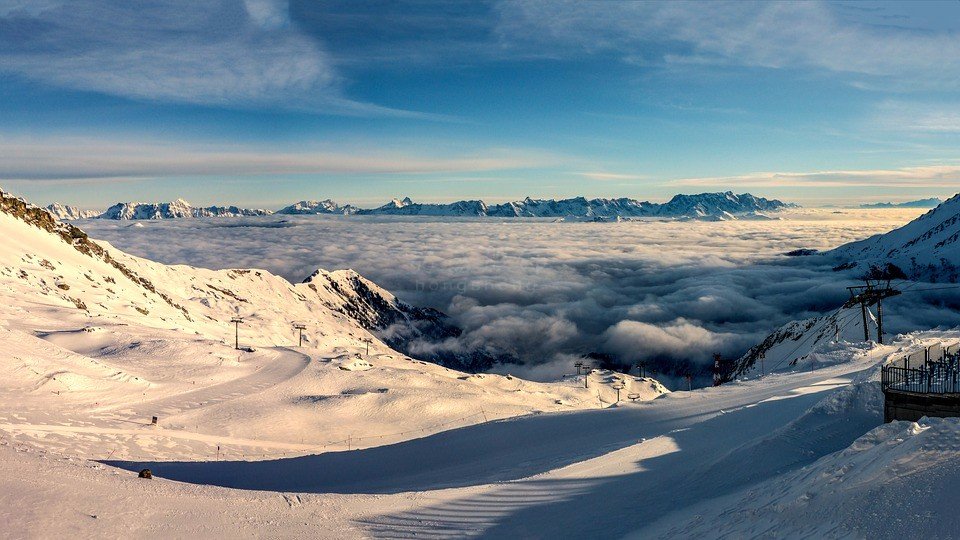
(930, 176)
(673, 293)
(86, 158)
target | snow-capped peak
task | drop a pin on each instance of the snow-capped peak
(176, 209)
(65, 212)
(400, 203)
(326, 206)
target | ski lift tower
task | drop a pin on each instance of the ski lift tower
(236, 336)
(301, 327)
(873, 292)
(618, 386)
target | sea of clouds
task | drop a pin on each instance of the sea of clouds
(546, 292)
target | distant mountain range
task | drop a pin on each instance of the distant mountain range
(135, 210)
(703, 206)
(922, 203)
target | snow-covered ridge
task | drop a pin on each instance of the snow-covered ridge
(704, 205)
(176, 209)
(809, 340)
(46, 258)
(927, 247)
(65, 212)
(326, 206)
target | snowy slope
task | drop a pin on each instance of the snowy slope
(806, 343)
(926, 248)
(786, 456)
(897, 481)
(176, 209)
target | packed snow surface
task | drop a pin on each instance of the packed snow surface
(792, 454)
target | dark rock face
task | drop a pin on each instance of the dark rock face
(412, 330)
(145, 473)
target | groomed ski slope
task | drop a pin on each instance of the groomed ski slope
(664, 468)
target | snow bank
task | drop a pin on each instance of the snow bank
(897, 481)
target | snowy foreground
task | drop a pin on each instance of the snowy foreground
(801, 453)
(326, 440)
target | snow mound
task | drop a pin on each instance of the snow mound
(356, 365)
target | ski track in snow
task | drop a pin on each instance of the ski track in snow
(284, 367)
(287, 365)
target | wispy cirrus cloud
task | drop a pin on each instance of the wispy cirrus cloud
(599, 175)
(928, 176)
(219, 53)
(925, 118)
(758, 34)
(26, 159)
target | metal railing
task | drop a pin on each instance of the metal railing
(934, 370)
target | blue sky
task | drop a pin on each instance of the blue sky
(263, 102)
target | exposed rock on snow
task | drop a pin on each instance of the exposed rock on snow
(400, 325)
(356, 365)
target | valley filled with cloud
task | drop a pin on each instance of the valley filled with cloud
(543, 292)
